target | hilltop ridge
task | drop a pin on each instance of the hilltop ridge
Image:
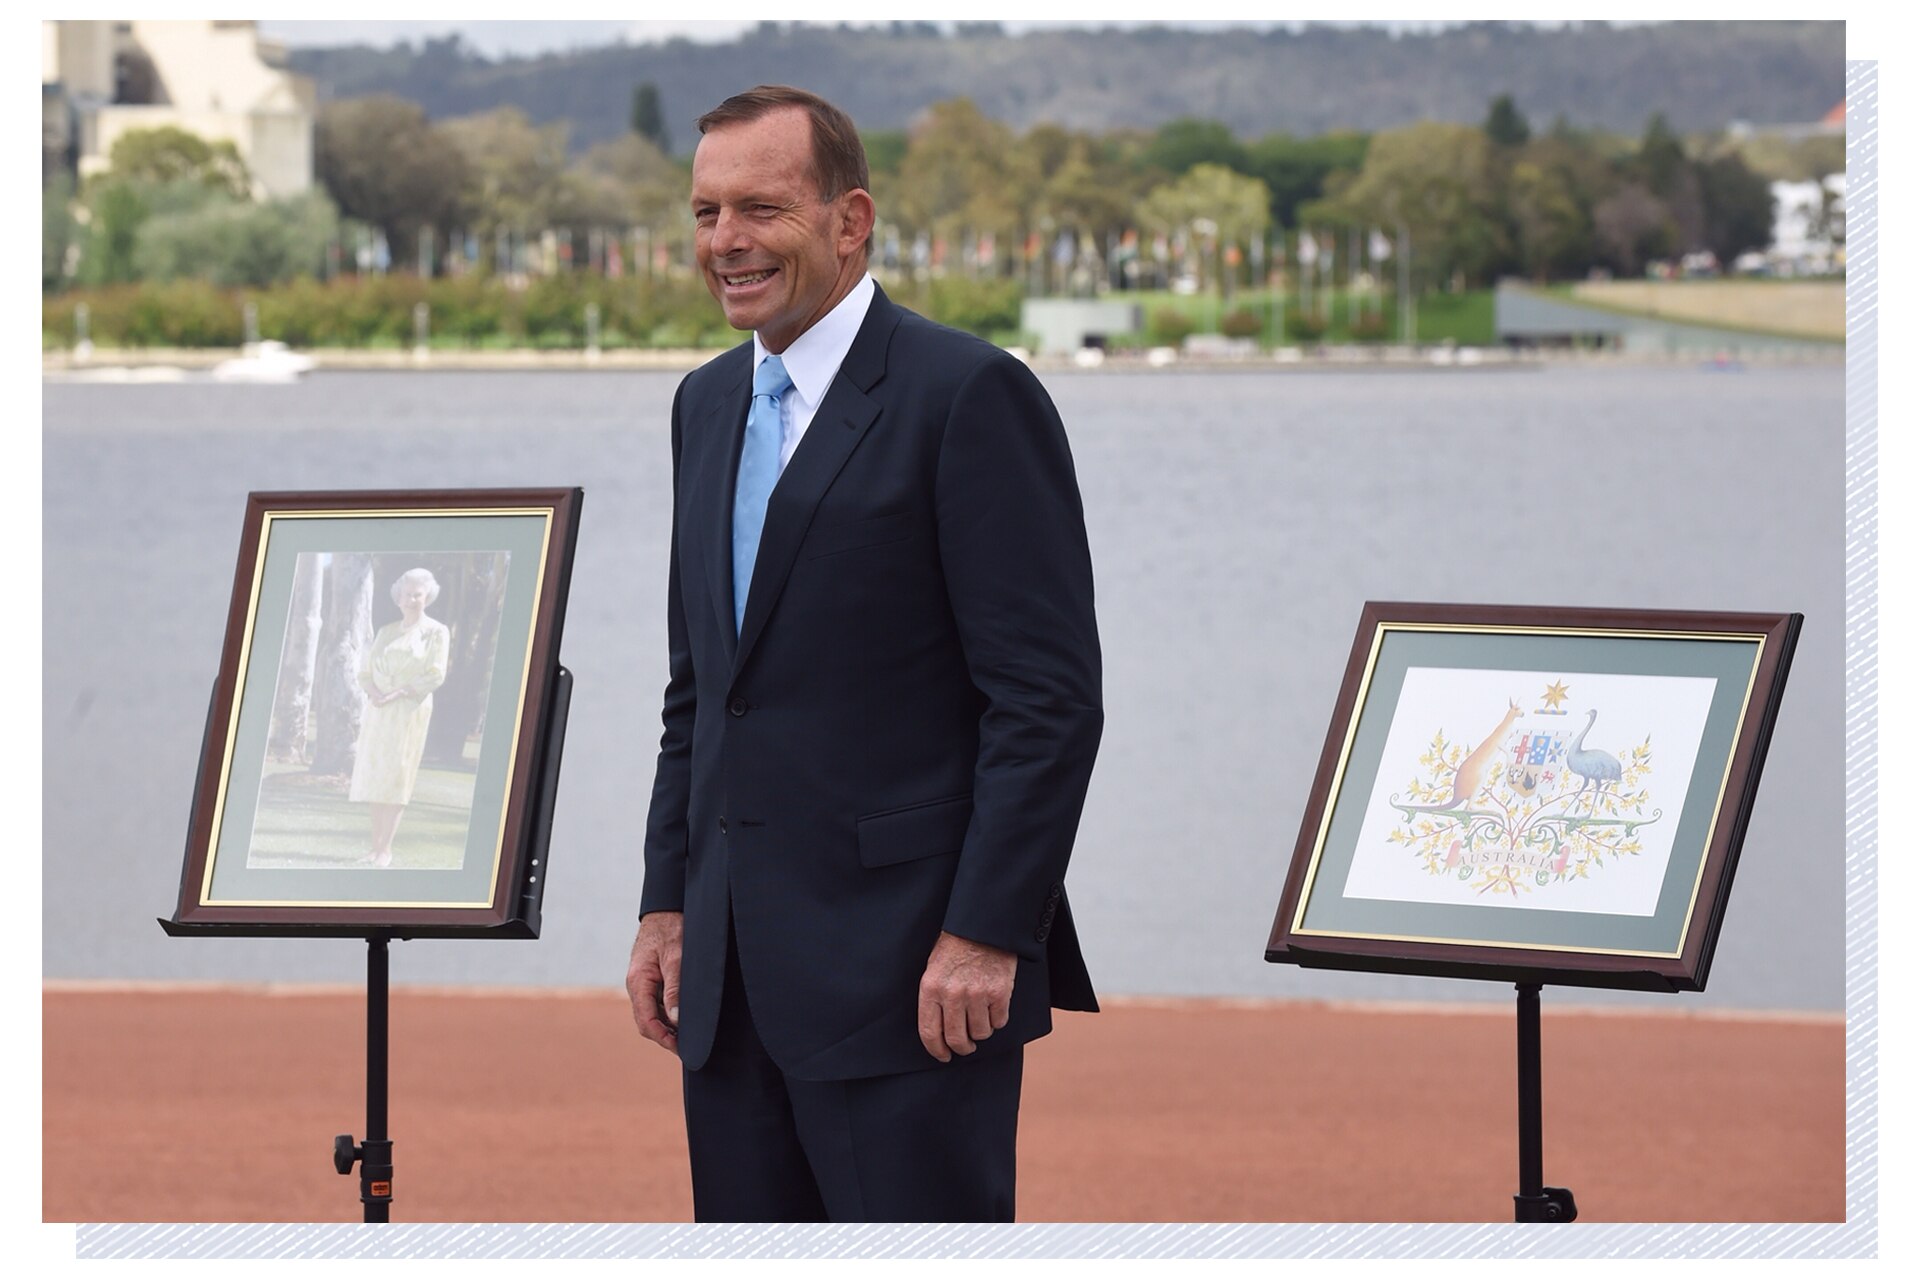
(1702, 75)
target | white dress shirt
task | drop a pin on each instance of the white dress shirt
(812, 359)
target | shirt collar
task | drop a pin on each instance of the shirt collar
(816, 355)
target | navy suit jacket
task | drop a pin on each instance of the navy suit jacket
(899, 740)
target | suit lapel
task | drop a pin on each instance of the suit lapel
(837, 428)
(721, 435)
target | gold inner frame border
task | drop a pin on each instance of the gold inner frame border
(240, 685)
(1296, 926)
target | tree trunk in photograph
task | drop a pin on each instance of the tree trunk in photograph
(461, 705)
(346, 630)
(293, 695)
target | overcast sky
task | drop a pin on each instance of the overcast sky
(499, 38)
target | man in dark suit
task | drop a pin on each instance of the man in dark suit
(881, 715)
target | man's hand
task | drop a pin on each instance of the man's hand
(653, 977)
(964, 995)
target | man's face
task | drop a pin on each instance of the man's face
(773, 252)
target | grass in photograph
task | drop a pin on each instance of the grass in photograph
(307, 821)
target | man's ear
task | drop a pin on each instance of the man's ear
(856, 222)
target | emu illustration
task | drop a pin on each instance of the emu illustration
(1473, 770)
(1596, 768)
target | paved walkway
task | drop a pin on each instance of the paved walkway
(191, 1103)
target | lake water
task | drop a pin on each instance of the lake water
(1238, 522)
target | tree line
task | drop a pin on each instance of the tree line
(1045, 210)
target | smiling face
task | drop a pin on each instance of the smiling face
(775, 254)
(413, 599)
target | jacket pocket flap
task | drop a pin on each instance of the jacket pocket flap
(872, 532)
(917, 831)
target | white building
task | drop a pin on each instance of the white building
(218, 80)
(1809, 226)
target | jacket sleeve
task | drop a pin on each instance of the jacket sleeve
(1013, 547)
(666, 840)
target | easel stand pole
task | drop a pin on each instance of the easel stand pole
(375, 1155)
(1535, 1202)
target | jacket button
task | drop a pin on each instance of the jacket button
(1040, 934)
(723, 826)
(738, 706)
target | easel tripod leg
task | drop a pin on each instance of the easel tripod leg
(375, 1155)
(1535, 1202)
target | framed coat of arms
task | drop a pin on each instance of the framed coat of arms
(1534, 795)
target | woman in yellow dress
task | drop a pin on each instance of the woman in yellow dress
(399, 671)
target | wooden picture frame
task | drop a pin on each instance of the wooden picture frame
(1546, 795)
(350, 691)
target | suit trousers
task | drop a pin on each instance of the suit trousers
(921, 1146)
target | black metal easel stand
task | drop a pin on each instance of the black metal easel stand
(375, 1155)
(1534, 1203)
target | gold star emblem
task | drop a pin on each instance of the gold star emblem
(1556, 694)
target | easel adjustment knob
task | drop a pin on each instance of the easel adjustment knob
(344, 1154)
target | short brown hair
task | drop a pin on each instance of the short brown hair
(839, 159)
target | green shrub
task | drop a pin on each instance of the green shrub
(475, 310)
(1370, 326)
(1168, 325)
(295, 313)
(468, 308)
(1305, 326)
(1241, 322)
(238, 243)
(978, 306)
(107, 251)
(550, 312)
(184, 313)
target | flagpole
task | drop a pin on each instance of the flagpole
(1406, 289)
(1353, 253)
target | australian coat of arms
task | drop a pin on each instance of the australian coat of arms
(1542, 797)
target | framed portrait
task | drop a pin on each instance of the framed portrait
(1533, 794)
(383, 742)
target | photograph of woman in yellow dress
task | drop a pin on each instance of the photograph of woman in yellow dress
(379, 711)
(399, 671)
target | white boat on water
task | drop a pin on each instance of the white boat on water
(268, 361)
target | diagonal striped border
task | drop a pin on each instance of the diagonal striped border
(1856, 1237)
(1862, 646)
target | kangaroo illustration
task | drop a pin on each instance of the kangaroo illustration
(1473, 770)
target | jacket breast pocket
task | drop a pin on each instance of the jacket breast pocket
(875, 531)
(916, 831)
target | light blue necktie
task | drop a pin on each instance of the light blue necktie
(759, 468)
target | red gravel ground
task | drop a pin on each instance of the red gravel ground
(220, 1104)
